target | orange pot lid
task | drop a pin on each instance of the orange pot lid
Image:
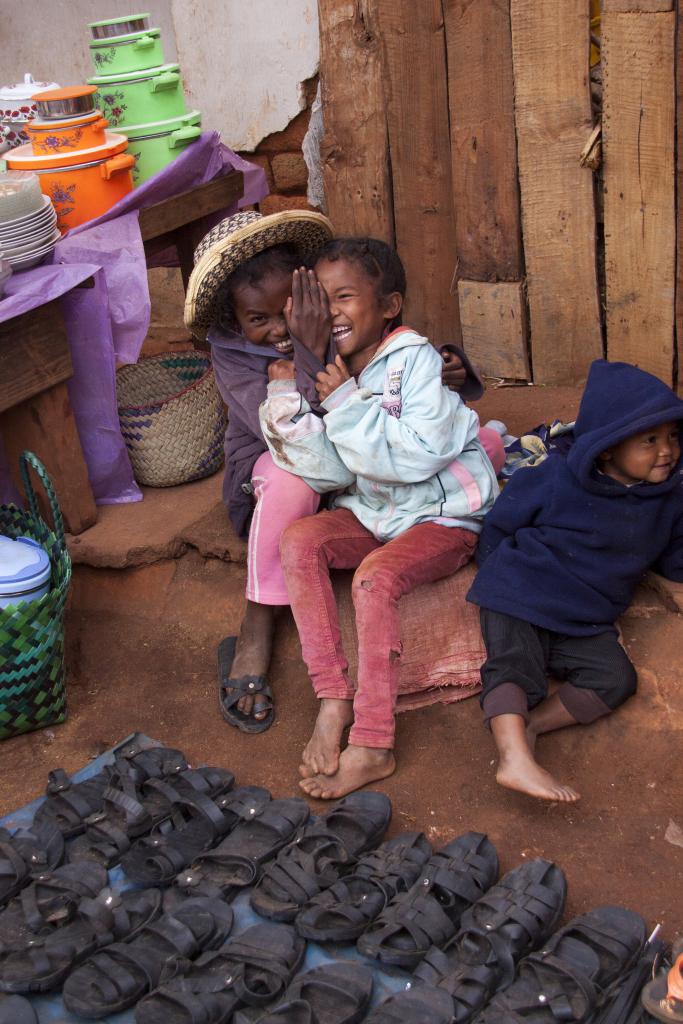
(72, 93)
(24, 159)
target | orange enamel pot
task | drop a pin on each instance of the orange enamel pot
(82, 185)
(67, 136)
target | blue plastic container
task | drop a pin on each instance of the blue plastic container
(24, 571)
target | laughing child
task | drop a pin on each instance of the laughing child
(413, 483)
(247, 269)
(560, 556)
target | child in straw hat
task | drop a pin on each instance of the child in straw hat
(239, 299)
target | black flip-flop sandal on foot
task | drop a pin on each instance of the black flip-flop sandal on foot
(253, 969)
(343, 912)
(16, 1010)
(231, 691)
(423, 1005)
(26, 853)
(117, 977)
(334, 993)
(568, 978)
(48, 903)
(429, 913)
(237, 861)
(327, 848)
(43, 964)
(196, 824)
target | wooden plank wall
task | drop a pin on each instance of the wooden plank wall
(416, 94)
(455, 127)
(638, 147)
(355, 150)
(678, 381)
(550, 44)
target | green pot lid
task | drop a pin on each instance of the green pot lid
(132, 76)
(133, 131)
(100, 44)
(117, 21)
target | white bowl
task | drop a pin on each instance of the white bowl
(18, 235)
(34, 258)
(20, 221)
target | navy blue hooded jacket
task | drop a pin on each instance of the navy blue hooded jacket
(565, 546)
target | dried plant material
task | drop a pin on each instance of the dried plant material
(674, 833)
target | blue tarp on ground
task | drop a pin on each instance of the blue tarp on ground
(50, 1008)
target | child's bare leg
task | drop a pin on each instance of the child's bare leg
(321, 753)
(549, 715)
(517, 767)
(357, 767)
(254, 650)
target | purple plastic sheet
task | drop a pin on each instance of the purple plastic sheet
(110, 321)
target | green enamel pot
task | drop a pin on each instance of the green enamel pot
(135, 51)
(142, 97)
(156, 145)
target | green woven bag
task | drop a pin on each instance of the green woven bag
(32, 693)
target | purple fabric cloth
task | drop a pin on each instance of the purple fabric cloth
(110, 321)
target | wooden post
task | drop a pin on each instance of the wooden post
(417, 116)
(640, 222)
(355, 151)
(483, 145)
(550, 44)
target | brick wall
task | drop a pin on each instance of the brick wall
(281, 158)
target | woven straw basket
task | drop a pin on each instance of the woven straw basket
(172, 418)
(32, 693)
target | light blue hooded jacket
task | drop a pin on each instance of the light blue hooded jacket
(401, 448)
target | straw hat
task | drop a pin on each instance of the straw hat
(235, 240)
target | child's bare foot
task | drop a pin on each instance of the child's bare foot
(526, 776)
(253, 652)
(321, 753)
(357, 767)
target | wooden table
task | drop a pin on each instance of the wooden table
(35, 411)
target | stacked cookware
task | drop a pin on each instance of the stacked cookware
(141, 95)
(17, 108)
(82, 167)
(28, 220)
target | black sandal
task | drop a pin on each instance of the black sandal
(327, 848)
(253, 969)
(48, 903)
(422, 1005)
(343, 912)
(567, 979)
(16, 1010)
(115, 978)
(26, 853)
(334, 993)
(237, 861)
(43, 964)
(231, 691)
(196, 824)
(429, 913)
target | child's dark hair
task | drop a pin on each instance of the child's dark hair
(378, 260)
(278, 258)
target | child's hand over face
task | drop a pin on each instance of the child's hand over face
(307, 312)
(332, 377)
(281, 369)
(453, 373)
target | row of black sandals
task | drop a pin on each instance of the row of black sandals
(189, 841)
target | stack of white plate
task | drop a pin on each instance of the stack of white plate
(26, 241)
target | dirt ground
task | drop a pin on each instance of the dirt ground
(159, 583)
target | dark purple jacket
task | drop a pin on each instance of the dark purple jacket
(242, 377)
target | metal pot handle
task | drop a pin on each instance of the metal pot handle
(100, 125)
(121, 162)
(144, 43)
(169, 80)
(182, 135)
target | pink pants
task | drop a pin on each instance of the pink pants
(281, 499)
(492, 443)
(385, 572)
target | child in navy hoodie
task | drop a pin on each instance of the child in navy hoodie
(560, 556)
